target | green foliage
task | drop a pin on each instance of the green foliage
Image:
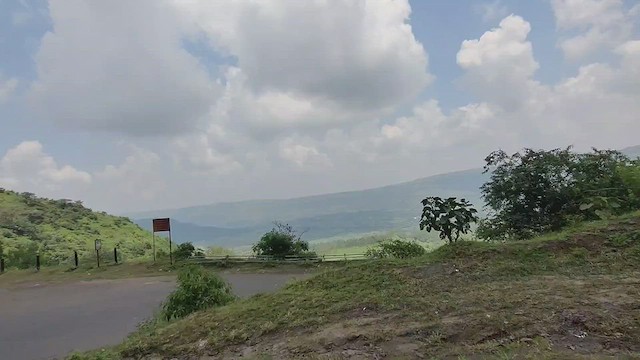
(198, 289)
(630, 175)
(450, 217)
(281, 241)
(55, 228)
(540, 191)
(396, 249)
(184, 251)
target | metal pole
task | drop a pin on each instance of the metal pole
(38, 262)
(98, 256)
(115, 254)
(153, 235)
(1, 266)
(170, 255)
(75, 257)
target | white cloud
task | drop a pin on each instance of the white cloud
(500, 64)
(303, 154)
(491, 11)
(603, 24)
(327, 55)
(7, 88)
(119, 66)
(139, 176)
(27, 167)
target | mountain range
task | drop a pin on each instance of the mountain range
(344, 214)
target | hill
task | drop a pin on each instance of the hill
(391, 207)
(346, 214)
(55, 228)
(568, 295)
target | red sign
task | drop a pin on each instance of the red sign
(161, 225)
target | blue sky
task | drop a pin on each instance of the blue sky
(168, 103)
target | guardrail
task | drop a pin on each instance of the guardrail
(266, 258)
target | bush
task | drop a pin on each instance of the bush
(198, 289)
(184, 251)
(281, 241)
(396, 249)
(539, 191)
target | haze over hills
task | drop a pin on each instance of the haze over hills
(392, 207)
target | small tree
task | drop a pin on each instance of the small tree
(448, 216)
(184, 251)
(281, 241)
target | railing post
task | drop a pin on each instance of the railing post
(38, 262)
(115, 255)
(1, 266)
(75, 258)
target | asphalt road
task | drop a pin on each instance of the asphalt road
(50, 321)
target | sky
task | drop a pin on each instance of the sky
(150, 104)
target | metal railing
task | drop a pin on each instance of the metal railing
(268, 258)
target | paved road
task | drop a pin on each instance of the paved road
(48, 322)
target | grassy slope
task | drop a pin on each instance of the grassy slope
(57, 227)
(570, 295)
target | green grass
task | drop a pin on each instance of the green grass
(569, 295)
(57, 228)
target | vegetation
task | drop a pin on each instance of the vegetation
(198, 289)
(282, 241)
(396, 249)
(186, 250)
(56, 228)
(567, 295)
(536, 192)
(449, 217)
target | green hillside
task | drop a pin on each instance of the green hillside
(55, 228)
(566, 295)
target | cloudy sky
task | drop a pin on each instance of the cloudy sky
(132, 105)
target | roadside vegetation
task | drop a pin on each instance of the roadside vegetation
(557, 278)
(30, 225)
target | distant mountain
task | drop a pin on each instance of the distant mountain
(633, 151)
(393, 207)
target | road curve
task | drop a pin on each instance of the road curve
(41, 322)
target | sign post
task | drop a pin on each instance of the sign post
(98, 246)
(159, 225)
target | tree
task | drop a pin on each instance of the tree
(449, 216)
(184, 251)
(538, 191)
(281, 241)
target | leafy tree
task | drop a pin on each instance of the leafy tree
(198, 289)
(537, 191)
(184, 251)
(448, 216)
(281, 241)
(395, 249)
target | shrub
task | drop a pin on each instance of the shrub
(396, 249)
(184, 251)
(281, 241)
(198, 289)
